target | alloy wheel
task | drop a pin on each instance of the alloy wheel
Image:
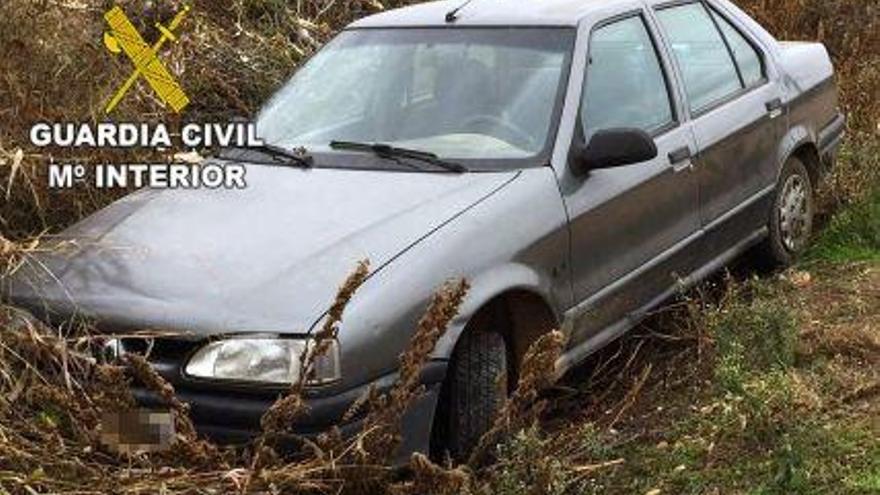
(795, 214)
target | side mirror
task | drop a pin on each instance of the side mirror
(611, 148)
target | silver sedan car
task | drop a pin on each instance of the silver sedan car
(577, 162)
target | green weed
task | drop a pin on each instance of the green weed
(853, 235)
(751, 336)
(524, 466)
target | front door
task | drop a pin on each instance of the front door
(628, 223)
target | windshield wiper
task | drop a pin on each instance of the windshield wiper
(387, 151)
(280, 154)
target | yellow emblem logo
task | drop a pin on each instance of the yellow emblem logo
(123, 37)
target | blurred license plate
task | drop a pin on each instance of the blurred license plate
(138, 430)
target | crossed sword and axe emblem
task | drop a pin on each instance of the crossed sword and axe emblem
(124, 37)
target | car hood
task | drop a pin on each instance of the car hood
(268, 258)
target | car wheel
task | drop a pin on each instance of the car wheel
(791, 217)
(473, 392)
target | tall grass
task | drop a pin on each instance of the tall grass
(852, 235)
(53, 394)
(232, 54)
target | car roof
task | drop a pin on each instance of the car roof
(491, 13)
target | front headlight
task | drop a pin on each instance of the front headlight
(263, 360)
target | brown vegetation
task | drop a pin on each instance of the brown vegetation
(233, 53)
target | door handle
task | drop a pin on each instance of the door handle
(681, 159)
(680, 155)
(774, 107)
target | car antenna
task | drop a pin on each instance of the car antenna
(452, 15)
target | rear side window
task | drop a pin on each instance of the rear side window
(625, 85)
(708, 70)
(747, 57)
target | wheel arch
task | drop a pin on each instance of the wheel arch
(521, 313)
(801, 144)
(808, 154)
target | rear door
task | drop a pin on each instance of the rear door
(628, 223)
(736, 112)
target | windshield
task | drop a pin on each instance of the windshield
(481, 94)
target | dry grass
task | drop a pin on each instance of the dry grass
(288, 408)
(522, 407)
(52, 394)
(233, 53)
(381, 434)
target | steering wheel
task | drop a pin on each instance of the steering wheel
(517, 135)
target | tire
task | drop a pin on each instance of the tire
(791, 217)
(473, 392)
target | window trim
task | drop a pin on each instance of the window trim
(730, 52)
(696, 113)
(665, 71)
(762, 58)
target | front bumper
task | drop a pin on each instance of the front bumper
(233, 415)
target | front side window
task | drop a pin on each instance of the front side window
(462, 94)
(703, 57)
(625, 85)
